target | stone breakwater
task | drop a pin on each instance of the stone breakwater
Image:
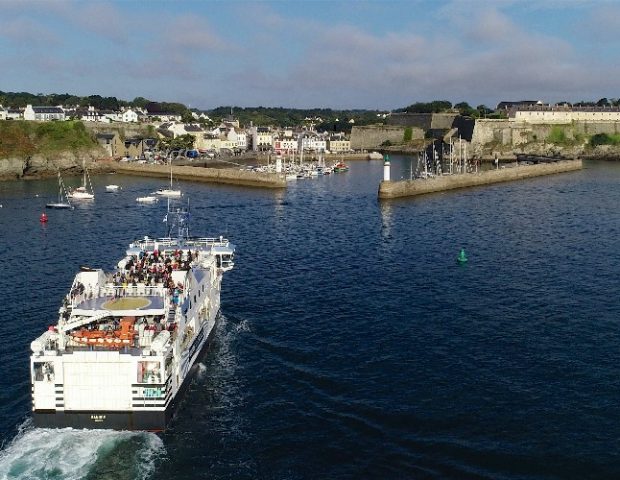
(409, 188)
(211, 175)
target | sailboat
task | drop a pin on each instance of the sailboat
(168, 192)
(82, 192)
(63, 200)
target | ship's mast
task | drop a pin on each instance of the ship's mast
(177, 218)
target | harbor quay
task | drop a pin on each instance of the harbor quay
(212, 175)
(422, 186)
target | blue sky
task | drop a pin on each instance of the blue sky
(347, 54)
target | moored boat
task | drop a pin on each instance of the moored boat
(63, 199)
(168, 192)
(147, 199)
(83, 192)
(125, 345)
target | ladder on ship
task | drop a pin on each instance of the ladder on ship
(172, 312)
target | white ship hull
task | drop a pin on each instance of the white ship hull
(86, 374)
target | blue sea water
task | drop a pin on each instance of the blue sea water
(350, 344)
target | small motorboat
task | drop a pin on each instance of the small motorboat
(112, 188)
(147, 199)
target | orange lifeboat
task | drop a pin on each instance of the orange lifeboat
(121, 337)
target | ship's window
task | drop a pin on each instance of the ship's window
(194, 298)
(43, 371)
(149, 372)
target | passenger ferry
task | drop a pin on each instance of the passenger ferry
(126, 342)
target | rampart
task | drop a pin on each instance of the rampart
(374, 136)
(409, 188)
(516, 135)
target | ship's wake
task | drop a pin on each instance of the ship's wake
(67, 454)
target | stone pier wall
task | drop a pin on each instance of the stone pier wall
(410, 188)
(212, 175)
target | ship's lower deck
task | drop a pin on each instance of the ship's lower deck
(149, 420)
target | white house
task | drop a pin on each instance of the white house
(14, 114)
(310, 142)
(94, 115)
(239, 139)
(285, 145)
(43, 113)
(262, 139)
(129, 116)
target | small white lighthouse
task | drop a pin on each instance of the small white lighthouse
(386, 168)
(278, 164)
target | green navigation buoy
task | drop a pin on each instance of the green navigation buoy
(462, 258)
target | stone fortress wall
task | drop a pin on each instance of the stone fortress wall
(518, 134)
(373, 136)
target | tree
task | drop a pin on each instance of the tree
(139, 102)
(483, 110)
(435, 106)
(182, 142)
(187, 117)
(603, 102)
(465, 109)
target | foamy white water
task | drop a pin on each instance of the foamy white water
(68, 454)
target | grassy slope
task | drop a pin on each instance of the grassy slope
(21, 138)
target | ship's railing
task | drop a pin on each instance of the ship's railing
(176, 242)
(111, 290)
(139, 290)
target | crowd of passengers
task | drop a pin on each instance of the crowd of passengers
(153, 268)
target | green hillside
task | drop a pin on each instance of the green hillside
(21, 138)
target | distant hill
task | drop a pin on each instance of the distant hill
(322, 118)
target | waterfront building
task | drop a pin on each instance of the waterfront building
(311, 142)
(262, 139)
(338, 145)
(285, 145)
(210, 141)
(237, 138)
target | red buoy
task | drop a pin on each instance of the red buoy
(43, 218)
